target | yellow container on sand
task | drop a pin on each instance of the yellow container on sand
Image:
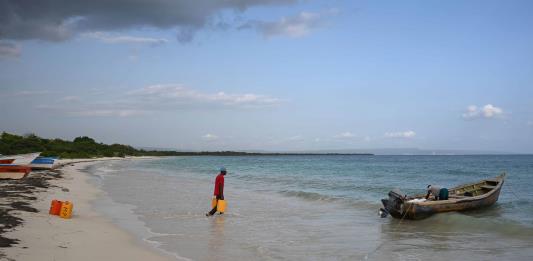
(221, 206)
(66, 210)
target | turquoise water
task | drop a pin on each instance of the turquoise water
(322, 207)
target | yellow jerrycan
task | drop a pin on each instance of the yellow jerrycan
(221, 206)
(213, 202)
(66, 210)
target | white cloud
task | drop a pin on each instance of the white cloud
(471, 112)
(107, 113)
(210, 137)
(181, 95)
(125, 39)
(488, 111)
(296, 138)
(293, 26)
(24, 93)
(401, 134)
(8, 49)
(529, 123)
(149, 100)
(345, 135)
(71, 99)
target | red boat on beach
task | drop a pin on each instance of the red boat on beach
(8, 171)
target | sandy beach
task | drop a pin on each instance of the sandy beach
(88, 235)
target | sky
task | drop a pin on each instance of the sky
(274, 75)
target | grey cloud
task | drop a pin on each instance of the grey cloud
(58, 20)
(185, 34)
(8, 49)
(293, 26)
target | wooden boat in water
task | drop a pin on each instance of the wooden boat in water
(10, 171)
(461, 198)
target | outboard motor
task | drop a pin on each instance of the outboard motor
(393, 205)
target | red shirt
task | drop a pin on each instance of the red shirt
(219, 185)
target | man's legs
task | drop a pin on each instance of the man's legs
(214, 210)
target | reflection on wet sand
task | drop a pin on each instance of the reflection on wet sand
(216, 237)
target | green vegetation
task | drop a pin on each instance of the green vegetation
(85, 147)
(81, 147)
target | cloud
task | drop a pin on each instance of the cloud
(53, 20)
(345, 135)
(471, 112)
(155, 98)
(402, 134)
(8, 49)
(125, 39)
(210, 137)
(106, 113)
(24, 93)
(488, 111)
(71, 99)
(296, 138)
(293, 26)
(77, 108)
(180, 95)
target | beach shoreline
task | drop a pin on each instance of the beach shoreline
(87, 235)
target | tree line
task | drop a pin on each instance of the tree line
(86, 147)
(83, 147)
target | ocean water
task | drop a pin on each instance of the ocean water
(316, 207)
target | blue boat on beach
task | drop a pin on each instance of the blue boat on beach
(44, 163)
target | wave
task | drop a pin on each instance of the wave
(313, 196)
(351, 202)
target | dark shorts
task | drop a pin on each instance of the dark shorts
(443, 194)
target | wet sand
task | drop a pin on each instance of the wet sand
(28, 232)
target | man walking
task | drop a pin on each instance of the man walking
(219, 190)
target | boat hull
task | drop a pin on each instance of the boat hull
(43, 163)
(13, 171)
(487, 193)
(417, 211)
(25, 159)
(12, 175)
(37, 166)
